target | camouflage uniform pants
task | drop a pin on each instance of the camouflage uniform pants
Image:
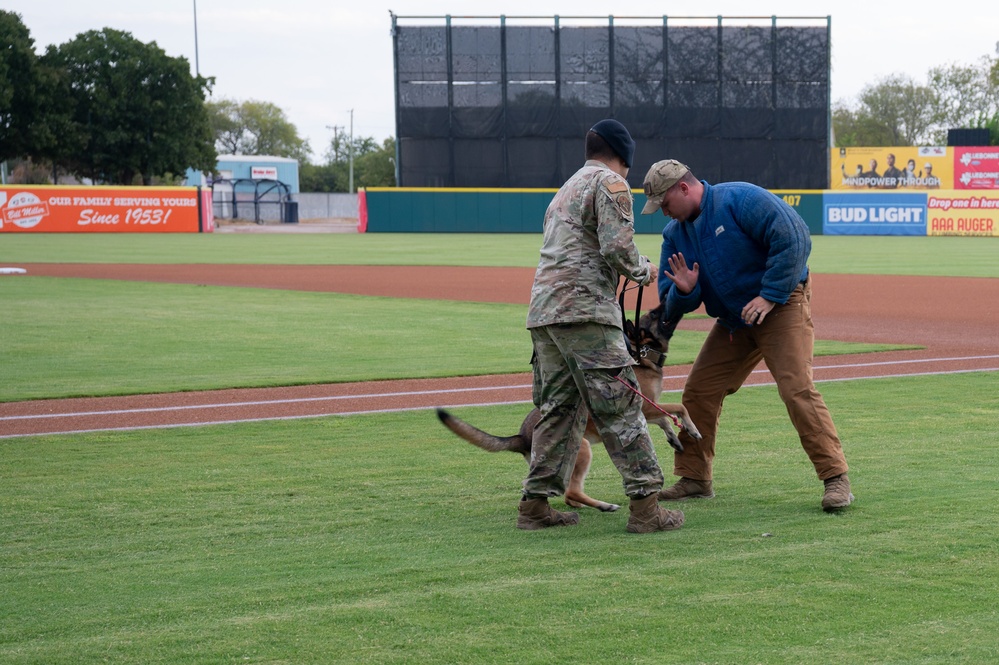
(575, 366)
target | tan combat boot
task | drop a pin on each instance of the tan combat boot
(537, 514)
(837, 494)
(648, 516)
(687, 488)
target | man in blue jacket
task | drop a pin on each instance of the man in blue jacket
(743, 253)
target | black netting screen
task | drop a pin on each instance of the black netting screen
(508, 105)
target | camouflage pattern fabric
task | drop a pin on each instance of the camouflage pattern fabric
(588, 244)
(575, 366)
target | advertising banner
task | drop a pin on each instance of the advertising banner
(58, 209)
(962, 213)
(976, 168)
(874, 215)
(901, 167)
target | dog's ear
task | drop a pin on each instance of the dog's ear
(666, 324)
(629, 330)
(647, 322)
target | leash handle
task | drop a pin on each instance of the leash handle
(620, 302)
(676, 421)
(638, 312)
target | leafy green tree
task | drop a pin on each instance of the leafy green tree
(904, 107)
(19, 104)
(255, 128)
(223, 116)
(338, 150)
(318, 178)
(56, 138)
(894, 111)
(993, 122)
(374, 164)
(138, 112)
(857, 127)
(968, 96)
(377, 167)
(35, 105)
(898, 111)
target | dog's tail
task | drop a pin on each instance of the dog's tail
(519, 443)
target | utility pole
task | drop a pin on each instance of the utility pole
(197, 68)
(350, 186)
(336, 146)
(350, 151)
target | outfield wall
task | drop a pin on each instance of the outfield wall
(62, 209)
(827, 212)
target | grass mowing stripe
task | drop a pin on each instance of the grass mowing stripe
(384, 539)
(869, 255)
(110, 337)
(76, 337)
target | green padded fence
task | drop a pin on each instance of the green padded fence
(455, 210)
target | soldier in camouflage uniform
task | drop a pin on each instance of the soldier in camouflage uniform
(579, 346)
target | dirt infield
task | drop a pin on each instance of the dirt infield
(955, 319)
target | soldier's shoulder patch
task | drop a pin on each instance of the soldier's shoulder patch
(617, 186)
(623, 202)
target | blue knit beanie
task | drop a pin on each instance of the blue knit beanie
(617, 138)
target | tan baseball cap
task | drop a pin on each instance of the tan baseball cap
(661, 176)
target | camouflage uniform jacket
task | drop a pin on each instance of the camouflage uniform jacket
(588, 243)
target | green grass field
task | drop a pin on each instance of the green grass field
(384, 539)
(871, 255)
(84, 337)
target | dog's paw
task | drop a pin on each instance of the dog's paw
(671, 437)
(607, 507)
(692, 431)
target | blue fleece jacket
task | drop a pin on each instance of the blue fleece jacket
(747, 242)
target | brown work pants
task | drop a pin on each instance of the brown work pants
(784, 341)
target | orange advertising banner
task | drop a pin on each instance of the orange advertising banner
(59, 209)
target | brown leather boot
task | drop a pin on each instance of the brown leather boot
(837, 494)
(687, 488)
(534, 514)
(648, 516)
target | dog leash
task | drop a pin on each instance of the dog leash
(638, 310)
(638, 313)
(676, 421)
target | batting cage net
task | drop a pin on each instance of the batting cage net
(484, 102)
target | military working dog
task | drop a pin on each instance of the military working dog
(650, 342)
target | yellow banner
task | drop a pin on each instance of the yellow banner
(962, 213)
(902, 167)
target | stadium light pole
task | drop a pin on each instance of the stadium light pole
(197, 68)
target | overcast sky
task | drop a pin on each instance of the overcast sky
(318, 59)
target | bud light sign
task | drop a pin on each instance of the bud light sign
(874, 214)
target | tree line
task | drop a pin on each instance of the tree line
(261, 128)
(103, 106)
(109, 109)
(897, 110)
